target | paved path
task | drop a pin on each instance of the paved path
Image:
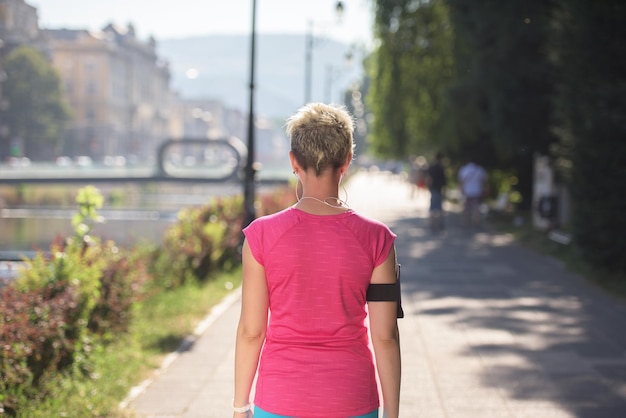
(491, 329)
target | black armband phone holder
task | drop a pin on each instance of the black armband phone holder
(386, 292)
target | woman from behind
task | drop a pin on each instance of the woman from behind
(306, 275)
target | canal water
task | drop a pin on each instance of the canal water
(145, 216)
(34, 229)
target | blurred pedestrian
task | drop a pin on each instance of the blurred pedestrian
(473, 182)
(436, 183)
(311, 274)
(418, 175)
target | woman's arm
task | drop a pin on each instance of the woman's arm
(251, 329)
(386, 338)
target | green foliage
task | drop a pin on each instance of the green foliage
(79, 263)
(500, 106)
(122, 286)
(207, 238)
(159, 325)
(472, 80)
(89, 200)
(72, 272)
(75, 268)
(410, 71)
(37, 111)
(50, 315)
(203, 239)
(505, 182)
(591, 107)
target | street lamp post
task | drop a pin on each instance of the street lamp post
(250, 171)
(308, 62)
(249, 174)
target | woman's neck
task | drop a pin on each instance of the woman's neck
(320, 193)
(321, 201)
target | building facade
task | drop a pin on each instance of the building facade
(18, 23)
(118, 89)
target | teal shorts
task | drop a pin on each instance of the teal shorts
(259, 413)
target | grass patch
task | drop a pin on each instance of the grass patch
(171, 316)
(569, 254)
(159, 326)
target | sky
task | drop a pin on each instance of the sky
(173, 19)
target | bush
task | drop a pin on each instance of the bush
(50, 314)
(207, 238)
(203, 239)
(122, 283)
(36, 335)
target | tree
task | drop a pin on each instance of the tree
(410, 70)
(504, 91)
(36, 111)
(591, 109)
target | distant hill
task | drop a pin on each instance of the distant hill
(223, 65)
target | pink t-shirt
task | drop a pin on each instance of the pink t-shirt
(316, 360)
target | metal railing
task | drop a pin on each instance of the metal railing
(186, 160)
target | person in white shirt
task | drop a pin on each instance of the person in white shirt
(472, 182)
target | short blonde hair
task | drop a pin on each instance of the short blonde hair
(321, 136)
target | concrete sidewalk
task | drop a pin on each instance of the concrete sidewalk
(491, 329)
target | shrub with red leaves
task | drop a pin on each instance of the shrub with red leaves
(36, 334)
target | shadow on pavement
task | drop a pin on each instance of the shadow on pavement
(516, 319)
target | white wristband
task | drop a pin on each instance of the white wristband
(242, 409)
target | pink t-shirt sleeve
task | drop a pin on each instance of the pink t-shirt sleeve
(377, 240)
(385, 242)
(254, 237)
